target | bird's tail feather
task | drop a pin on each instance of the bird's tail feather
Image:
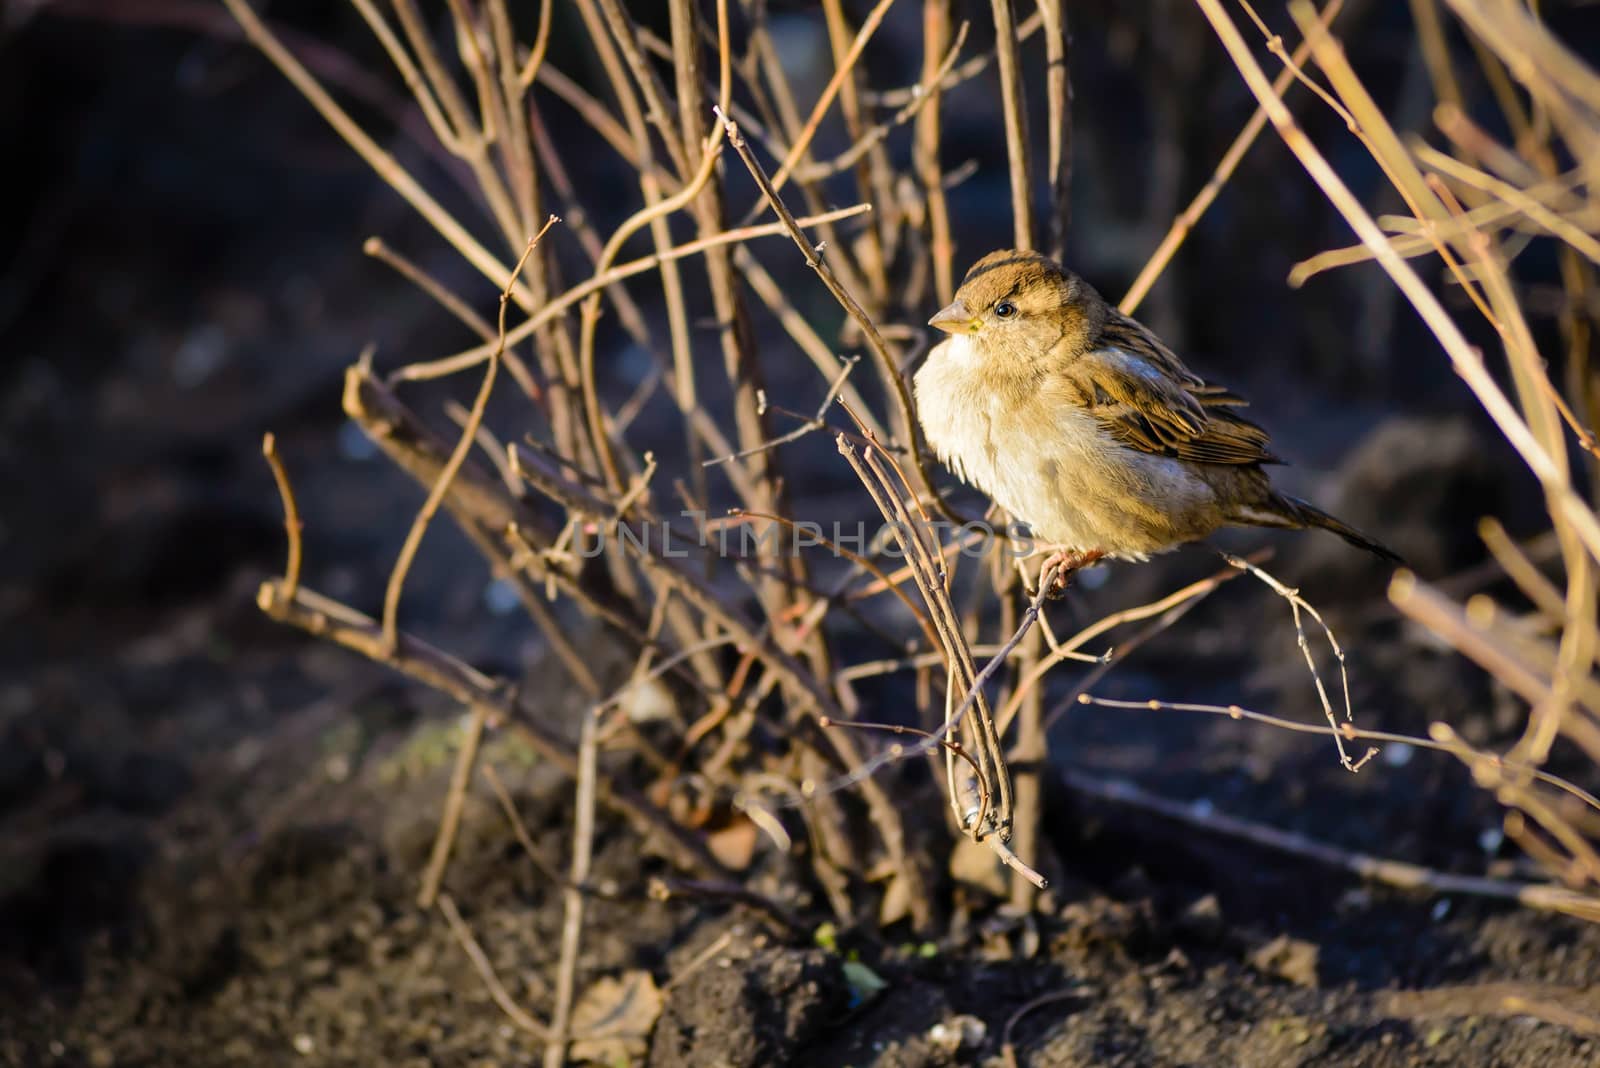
(1285, 511)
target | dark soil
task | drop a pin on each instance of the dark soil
(212, 830)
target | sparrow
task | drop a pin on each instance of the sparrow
(1078, 421)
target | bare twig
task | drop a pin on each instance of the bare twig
(965, 72)
(419, 526)
(485, 969)
(557, 305)
(541, 43)
(924, 95)
(292, 525)
(954, 749)
(906, 427)
(332, 621)
(928, 571)
(815, 423)
(1008, 1049)
(930, 171)
(1067, 650)
(1235, 712)
(1467, 360)
(671, 889)
(379, 250)
(802, 143)
(1376, 869)
(518, 828)
(390, 171)
(1016, 123)
(897, 588)
(1058, 95)
(455, 801)
(1298, 604)
(1190, 216)
(572, 924)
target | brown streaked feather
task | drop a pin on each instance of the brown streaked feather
(1147, 399)
(1130, 335)
(1079, 422)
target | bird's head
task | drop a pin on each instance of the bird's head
(1022, 307)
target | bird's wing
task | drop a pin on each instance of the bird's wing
(1145, 397)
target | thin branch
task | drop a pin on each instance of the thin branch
(1298, 604)
(925, 152)
(873, 250)
(455, 801)
(798, 327)
(1016, 124)
(1541, 896)
(897, 588)
(954, 749)
(815, 423)
(1190, 216)
(896, 98)
(396, 176)
(923, 95)
(572, 923)
(541, 43)
(1058, 95)
(1349, 732)
(760, 484)
(598, 430)
(557, 305)
(1068, 649)
(928, 570)
(797, 150)
(448, 136)
(292, 525)
(1529, 206)
(446, 298)
(518, 828)
(328, 619)
(485, 969)
(1467, 360)
(419, 526)
(906, 426)
(1515, 563)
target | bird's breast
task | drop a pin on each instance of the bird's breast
(1048, 461)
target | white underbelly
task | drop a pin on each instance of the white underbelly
(1071, 483)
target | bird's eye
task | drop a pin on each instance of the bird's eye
(1005, 309)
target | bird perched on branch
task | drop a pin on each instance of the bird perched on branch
(1078, 421)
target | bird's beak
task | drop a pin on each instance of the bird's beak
(954, 319)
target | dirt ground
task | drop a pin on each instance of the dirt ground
(255, 904)
(212, 829)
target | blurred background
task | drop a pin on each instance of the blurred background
(181, 271)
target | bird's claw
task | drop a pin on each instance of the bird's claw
(1060, 567)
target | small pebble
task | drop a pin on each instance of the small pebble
(1398, 754)
(202, 352)
(500, 598)
(354, 445)
(958, 1032)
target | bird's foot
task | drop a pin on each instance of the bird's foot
(1061, 565)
